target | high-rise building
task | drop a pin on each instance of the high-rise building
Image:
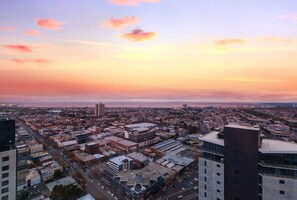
(8, 157)
(237, 164)
(99, 110)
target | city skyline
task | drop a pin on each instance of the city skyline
(148, 50)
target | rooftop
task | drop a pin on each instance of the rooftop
(119, 160)
(278, 146)
(242, 127)
(68, 180)
(212, 137)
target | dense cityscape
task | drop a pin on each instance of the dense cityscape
(106, 152)
(148, 100)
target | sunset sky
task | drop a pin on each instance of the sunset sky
(151, 50)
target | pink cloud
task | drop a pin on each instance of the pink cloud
(137, 35)
(32, 32)
(19, 48)
(132, 2)
(24, 61)
(120, 22)
(228, 41)
(7, 28)
(48, 24)
(292, 17)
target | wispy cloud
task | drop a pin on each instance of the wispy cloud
(32, 32)
(292, 17)
(138, 35)
(278, 39)
(7, 28)
(48, 24)
(37, 61)
(132, 2)
(120, 22)
(88, 42)
(228, 41)
(19, 48)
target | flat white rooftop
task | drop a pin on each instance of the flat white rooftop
(212, 137)
(242, 127)
(119, 160)
(278, 146)
(140, 125)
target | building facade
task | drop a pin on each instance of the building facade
(237, 164)
(99, 110)
(8, 158)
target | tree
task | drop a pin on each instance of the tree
(68, 192)
(22, 195)
(58, 174)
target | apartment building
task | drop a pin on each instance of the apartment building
(8, 157)
(238, 164)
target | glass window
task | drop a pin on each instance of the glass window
(5, 175)
(6, 158)
(4, 197)
(282, 192)
(5, 168)
(4, 190)
(4, 183)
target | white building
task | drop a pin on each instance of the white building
(120, 163)
(8, 174)
(33, 178)
(278, 161)
(48, 172)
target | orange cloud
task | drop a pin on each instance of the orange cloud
(228, 41)
(19, 48)
(7, 28)
(137, 35)
(48, 24)
(24, 61)
(120, 22)
(132, 2)
(32, 32)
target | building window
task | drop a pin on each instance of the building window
(218, 165)
(205, 178)
(282, 192)
(6, 158)
(5, 168)
(218, 182)
(218, 191)
(5, 175)
(281, 182)
(205, 163)
(218, 199)
(236, 171)
(205, 195)
(4, 183)
(218, 174)
(4, 190)
(205, 171)
(205, 187)
(4, 197)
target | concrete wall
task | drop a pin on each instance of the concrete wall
(214, 180)
(271, 188)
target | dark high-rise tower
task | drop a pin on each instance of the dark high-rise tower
(241, 162)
